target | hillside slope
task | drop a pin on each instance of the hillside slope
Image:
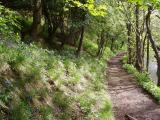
(36, 83)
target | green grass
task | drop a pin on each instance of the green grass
(145, 81)
(21, 112)
(78, 83)
(46, 112)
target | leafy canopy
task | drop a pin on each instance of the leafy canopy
(155, 3)
(94, 8)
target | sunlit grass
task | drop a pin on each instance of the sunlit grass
(58, 81)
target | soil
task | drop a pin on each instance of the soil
(128, 98)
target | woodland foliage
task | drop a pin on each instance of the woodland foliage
(53, 55)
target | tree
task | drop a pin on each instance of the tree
(139, 45)
(153, 43)
(37, 15)
(151, 4)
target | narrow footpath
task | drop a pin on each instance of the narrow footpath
(130, 101)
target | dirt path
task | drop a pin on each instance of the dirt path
(127, 97)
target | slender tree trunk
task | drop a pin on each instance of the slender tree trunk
(82, 33)
(148, 46)
(112, 44)
(80, 42)
(37, 14)
(147, 62)
(101, 44)
(129, 30)
(144, 44)
(122, 44)
(153, 43)
(158, 74)
(139, 45)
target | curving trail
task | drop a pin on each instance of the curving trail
(130, 102)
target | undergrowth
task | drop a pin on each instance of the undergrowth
(40, 84)
(145, 81)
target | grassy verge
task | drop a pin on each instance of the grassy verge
(40, 84)
(144, 81)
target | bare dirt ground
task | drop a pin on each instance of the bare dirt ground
(127, 96)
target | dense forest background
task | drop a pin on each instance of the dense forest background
(53, 55)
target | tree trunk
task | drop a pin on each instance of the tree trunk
(139, 45)
(101, 44)
(112, 44)
(129, 30)
(80, 42)
(37, 14)
(143, 49)
(153, 43)
(158, 74)
(147, 62)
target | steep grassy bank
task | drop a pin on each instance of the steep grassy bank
(40, 84)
